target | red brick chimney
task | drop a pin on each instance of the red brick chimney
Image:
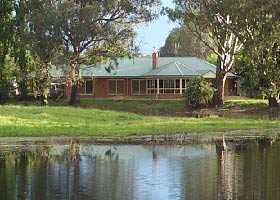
(155, 60)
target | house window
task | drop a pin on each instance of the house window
(152, 86)
(169, 86)
(184, 84)
(138, 87)
(116, 87)
(86, 87)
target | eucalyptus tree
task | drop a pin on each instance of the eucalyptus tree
(181, 42)
(252, 25)
(6, 40)
(212, 19)
(98, 26)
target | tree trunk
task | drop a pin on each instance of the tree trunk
(4, 93)
(44, 100)
(74, 93)
(44, 95)
(23, 89)
(74, 75)
(220, 87)
(272, 102)
(273, 108)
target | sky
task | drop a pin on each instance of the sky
(153, 35)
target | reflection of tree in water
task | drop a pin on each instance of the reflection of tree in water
(61, 172)
(229, 169)
(15, 163)
(250, 173)
(228, 175)
(24, 169)
(112, 153)
(74, 151)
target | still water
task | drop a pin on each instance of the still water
(85, 171)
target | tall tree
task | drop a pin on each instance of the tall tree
(181, 42)
(212, 19)
(259, 62)
(45, 40)
(22, 48)
(88, 24)
(6, 40)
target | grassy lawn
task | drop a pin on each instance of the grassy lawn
(98, 118)
(152, 107)
(138, 106)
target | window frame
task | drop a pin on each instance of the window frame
(153, 88)
(116, 82)
(139, 87)
(166, 83)
(184, 87)
(84, 92)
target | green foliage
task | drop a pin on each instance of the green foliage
(249, 24)
(23, 55)
(199, 93)
(259, 61)
(6, 78)
(215, 24)
(93, 30)
(6, 40)
(65, 32)
(181, 42)
(100, 28)
(212, 58)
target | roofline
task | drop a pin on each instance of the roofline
(148, 76)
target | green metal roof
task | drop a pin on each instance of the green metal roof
(172, 69)
(142, 67)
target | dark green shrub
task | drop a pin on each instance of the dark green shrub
(199, 93)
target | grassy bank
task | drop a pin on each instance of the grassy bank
(97, 121)
(149, 107)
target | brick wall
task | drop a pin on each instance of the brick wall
(101, 87)
(101, 90)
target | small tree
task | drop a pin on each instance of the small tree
(199, 93)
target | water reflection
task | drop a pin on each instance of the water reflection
(250, 173)
(83, 171)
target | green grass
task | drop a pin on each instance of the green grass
(59, 120)
(256, 104)
(138, 106)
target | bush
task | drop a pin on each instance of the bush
(199, 93)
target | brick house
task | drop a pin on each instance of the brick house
(156, 77)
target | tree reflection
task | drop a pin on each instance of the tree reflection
(229, 175)
(79, 171)
(60, 172)
(250, 173)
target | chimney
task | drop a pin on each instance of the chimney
(155, 60)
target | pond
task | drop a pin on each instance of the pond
(86, 171)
